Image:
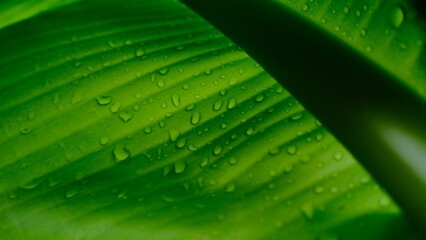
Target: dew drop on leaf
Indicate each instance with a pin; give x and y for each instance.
(104, 140)
(173, 135)
(103, 100)
(307, 210)
(181, 143)
(147, 130)
(115, 107)
(396, 16)
(291, 150)
(249, 131)
(230, 187)
(121, 153)
(217, 105)
(338, 156)
(161, 83)
(25, 130)
(176, 100)
(180, 166)
(195, 118)
(217, 149)
(231, 103)
(125, 116)
(139, 53)
(163, 71)
(232, 160)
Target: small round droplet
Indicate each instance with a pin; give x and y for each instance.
(338, 156)
(121, 153)
(147, 130)
(232, 160)
(291, 150)
(103, 100)
(250, 131)
(161, 83)
(259, 98)
(230, 187)
(204, 162)
(25, 130)
(104, 140)
(384, 201)
(296, 116)
(396, 16)
(217, 149)
(181, 143)
(139, 53)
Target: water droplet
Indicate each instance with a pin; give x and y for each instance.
(176, 100)
(13, 195)
(126, 116)
(122, 196)
(161, 83)
(230, 187)
(319, 189)
(190, 107)
(232, 160)
(363, 32)
(103, 100)
(180, 166)
(115, 107)
(274, 151)
(204, 162)
(259, 98)
(338, 156)
(222, 92)
(163, 71)
(70, 193)
(195, 118)
(31, 115)
(31, 185)
(217, 105)
(384, 201)
(250, 131)
(25, 130)
(307, 210)
(396, 16)
(217, 149)
(121, 153)
(231, 103)
(305, 7)
(291, 150)
(181, 143)
(368, 49)
(139, 53)
(296, 116)
(147, 130)
(346, 10)
(104, 140)
(208, 71)
(174, 135)
(318, 137)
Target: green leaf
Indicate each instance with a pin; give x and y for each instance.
(139, 120)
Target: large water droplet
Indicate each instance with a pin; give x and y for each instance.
(396, 16)
(163, 71)
(176, 100)
(195, 118)
(121, 153)
(139, 53)
(174, 135)
(291, 150)
(217, 105)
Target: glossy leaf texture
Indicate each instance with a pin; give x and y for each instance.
(139, 120)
